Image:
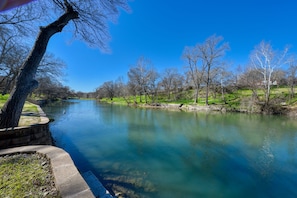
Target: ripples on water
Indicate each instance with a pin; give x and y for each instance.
(155, 153)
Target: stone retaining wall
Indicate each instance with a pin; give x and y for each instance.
(35, 134)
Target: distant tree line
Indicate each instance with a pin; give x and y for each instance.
(207, 74)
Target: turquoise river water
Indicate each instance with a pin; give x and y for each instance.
(161, 153)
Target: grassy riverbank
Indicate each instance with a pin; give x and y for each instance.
(241, 100)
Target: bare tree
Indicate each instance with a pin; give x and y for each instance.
(140, 76)
(278, 77)
(8, 4)
(178, 86)
(253, 80)
(214, 80)
(266, 60)
(51, 66)
(211, 52)
(153, 85)
(132, 88)
(169, 80)
(109, 89)
(12, 53)
(7, 43)
(123, 90)
(291, 76)
(196, 70)
(90, 19)
(19, 21)
(49, 75)
(225, 79)
(51, 89)
(250, 79)
(119, 87)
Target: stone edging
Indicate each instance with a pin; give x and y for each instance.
(43, 118)
(68, 180)
(34, 134)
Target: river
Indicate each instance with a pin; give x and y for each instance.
(162, 153)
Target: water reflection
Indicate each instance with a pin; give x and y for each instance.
(153, 153)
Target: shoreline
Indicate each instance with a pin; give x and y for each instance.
(288, 111)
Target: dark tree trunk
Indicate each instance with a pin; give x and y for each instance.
(168, 94)
(292, 91)
(196, 100)
(11, 111)
(207, 90)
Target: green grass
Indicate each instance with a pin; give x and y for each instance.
(26, 175)
(231, 100)
(3, 99)
(28, 107)
(25, 120)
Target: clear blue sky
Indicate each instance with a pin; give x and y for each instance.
(160, 29)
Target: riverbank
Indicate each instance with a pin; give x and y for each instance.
(286, 110)
(237, 99)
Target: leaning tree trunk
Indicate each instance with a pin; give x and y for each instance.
(11, 111)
